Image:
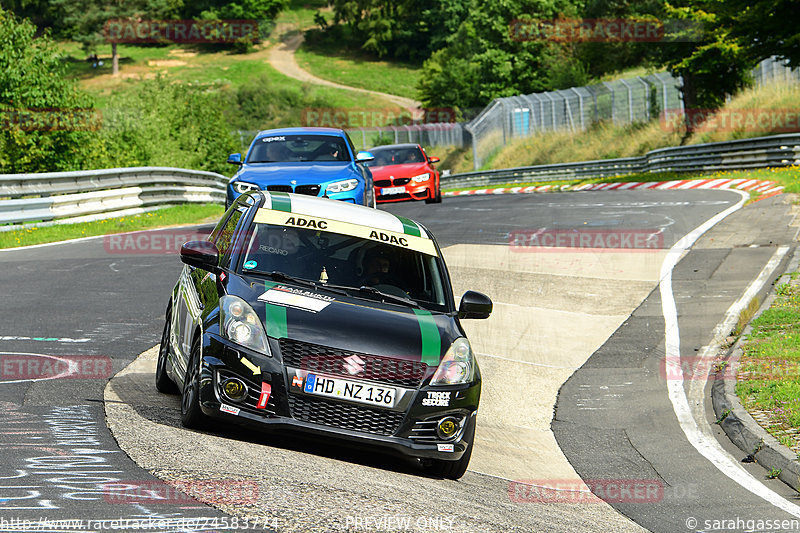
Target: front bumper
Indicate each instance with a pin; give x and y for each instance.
(421, 192)
(408, 430)
(355, 196)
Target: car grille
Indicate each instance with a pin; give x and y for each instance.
(345, 416)
(253, 394)
(311, 190)
(279, 188)
(401, 181)
(383, 183)
(316, 358)
(424, 431)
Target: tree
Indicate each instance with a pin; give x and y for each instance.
(491, 55)
(47, 124)
(404, 29)
(711, 62)
(234, 9)
(85, 20)
(762, 27)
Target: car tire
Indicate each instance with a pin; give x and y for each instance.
(437, 197)
(452, 469)
(163, 382)
(191, 415)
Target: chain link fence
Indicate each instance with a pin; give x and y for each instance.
(623, 101)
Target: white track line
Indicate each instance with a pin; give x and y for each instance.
(702, 441)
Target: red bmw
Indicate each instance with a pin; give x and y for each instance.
(404, 172)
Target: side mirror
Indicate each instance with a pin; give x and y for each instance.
(235, 159)
(200, 254)
(363, 157)
(434, 159)
(475, 305)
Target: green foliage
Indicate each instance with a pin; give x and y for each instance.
(761, 27)
(155, 122)
(484, 60)
(234, 9)
(46, 122)
(712, 63)
(405, 29)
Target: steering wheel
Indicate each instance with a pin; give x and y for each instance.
(384, 282)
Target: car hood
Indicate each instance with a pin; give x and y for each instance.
(310, 173)
(405, 171)
(346, 323)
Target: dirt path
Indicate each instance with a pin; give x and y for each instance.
(282, 59)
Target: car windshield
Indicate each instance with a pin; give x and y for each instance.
(345, 261)
(396, 156)
(296, 148)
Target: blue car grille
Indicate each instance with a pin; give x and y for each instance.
(310, 190)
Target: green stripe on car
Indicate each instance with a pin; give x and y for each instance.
(431, 340)
(409, 226)
(281, 201)
(276, 317)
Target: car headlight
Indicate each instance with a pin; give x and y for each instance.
(240, 324)
(341, 186)
(457, 366)
(242, 187)
(421, 177)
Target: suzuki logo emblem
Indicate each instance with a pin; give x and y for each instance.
(354, 365)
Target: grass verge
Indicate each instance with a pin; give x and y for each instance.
(768, 379)
(604, 140)
(356, 69)
(788, 177)
(168, 216)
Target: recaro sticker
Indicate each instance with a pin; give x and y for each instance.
(401, 240)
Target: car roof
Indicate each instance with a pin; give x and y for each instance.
(296, 131)
(353, 215)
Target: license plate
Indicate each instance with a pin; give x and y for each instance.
(350, 390)
(393, 190)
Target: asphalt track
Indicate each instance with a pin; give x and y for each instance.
(83, 299)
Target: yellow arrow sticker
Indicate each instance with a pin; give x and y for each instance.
(254, 368)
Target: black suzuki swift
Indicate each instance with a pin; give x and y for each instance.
(308, 314)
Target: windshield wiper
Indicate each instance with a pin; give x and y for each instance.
(372, 291)
(277, 275)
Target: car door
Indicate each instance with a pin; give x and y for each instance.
(198, 290)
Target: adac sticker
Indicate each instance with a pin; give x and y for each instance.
(437, 399)
(229, 409)
(296, 298)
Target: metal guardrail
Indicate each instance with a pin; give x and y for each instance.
(96, 194)
(742, 154)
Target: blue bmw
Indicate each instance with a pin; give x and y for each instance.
(313, 161)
